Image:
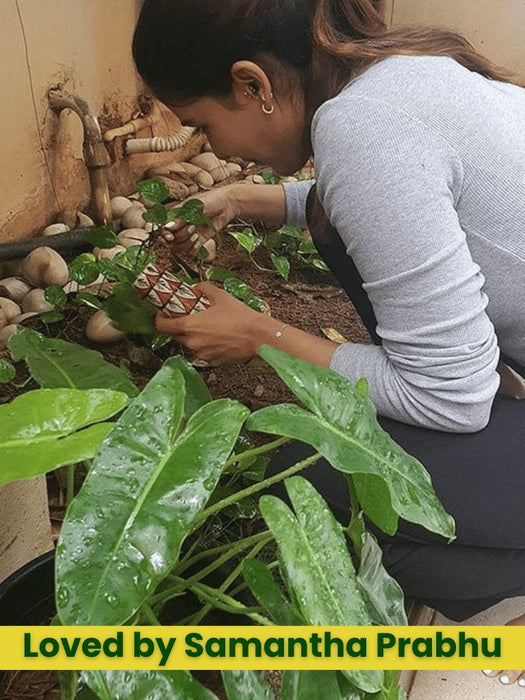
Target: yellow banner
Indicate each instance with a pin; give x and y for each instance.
(301, 648)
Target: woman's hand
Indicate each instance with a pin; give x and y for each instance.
(219, 206)
(225, 333)
(224, 204)
(229, 331)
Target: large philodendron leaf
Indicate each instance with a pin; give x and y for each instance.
(315, 560)
(383, 595)
(305, 685)
(50, 428)
(56, 363)
(145, 490)
(341, 424)
(241, 685)
(146, 685)
(268, 594)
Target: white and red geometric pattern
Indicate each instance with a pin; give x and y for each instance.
(170, 295)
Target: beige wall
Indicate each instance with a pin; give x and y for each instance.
(83, 46)
(495, 27)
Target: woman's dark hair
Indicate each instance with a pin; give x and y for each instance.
(185, 49)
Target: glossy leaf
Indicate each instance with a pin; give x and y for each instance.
(192, 212)
(268, 594)
(7, 372)
(241, 685)
(317, 564)
(147, 487)
(246, 239)
(240, 290)
(89, 300)
(55, 295)
(84, 269)
(281, 264)
(146, 685)
(129, 312)
(68, 681)
(157, 215)
(343, 427)
(49, 428)
(383, 595)
(101, 237)
(306, 685)
(197, 393)
(51, 317)
(56, 363)
(155, 191)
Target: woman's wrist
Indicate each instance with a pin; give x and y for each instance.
(267, 202)
(283, 336)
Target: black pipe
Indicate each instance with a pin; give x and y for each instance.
(69, 242)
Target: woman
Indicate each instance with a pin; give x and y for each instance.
(419, 147)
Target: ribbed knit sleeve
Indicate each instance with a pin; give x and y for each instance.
(390, 186)
(296, 194)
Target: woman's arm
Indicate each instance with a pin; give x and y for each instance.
(391, 187)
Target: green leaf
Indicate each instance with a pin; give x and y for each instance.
(146, 685)
(157, 215)
(268, 594)
(51, 317)
(7, 372)
(291, 232)
(307, 247)
(220, 274)
(155, 191)
(192, 212)
(273, 239)
(84, 269)
(141, 498)
(270, 177)
(246, 239)
(110, 270)
(55, 295)
(390, 689)
(130, 263)
(129, 311)
(101, 237)
(317, 564)
(89, 300)
(383, 595)
(241, 291)
(68, 684)
(281, 264)
(343, 427)
(56, 363)
(241, 685)
(317, 263)
(197, 392)
(306, 685)
(49, 428)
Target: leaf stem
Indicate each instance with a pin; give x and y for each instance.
(227, 603)
(226, 584)
(256, 451)
(70, 485)
(149, 615)
(261, 486)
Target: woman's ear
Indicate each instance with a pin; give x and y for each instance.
(249, 81)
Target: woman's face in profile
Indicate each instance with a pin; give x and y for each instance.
(237, 126)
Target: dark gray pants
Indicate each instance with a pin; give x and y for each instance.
(479, 477)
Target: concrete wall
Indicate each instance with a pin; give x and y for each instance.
(83, 46)
(495, 27)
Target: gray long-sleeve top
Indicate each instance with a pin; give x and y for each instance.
(420, 166)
